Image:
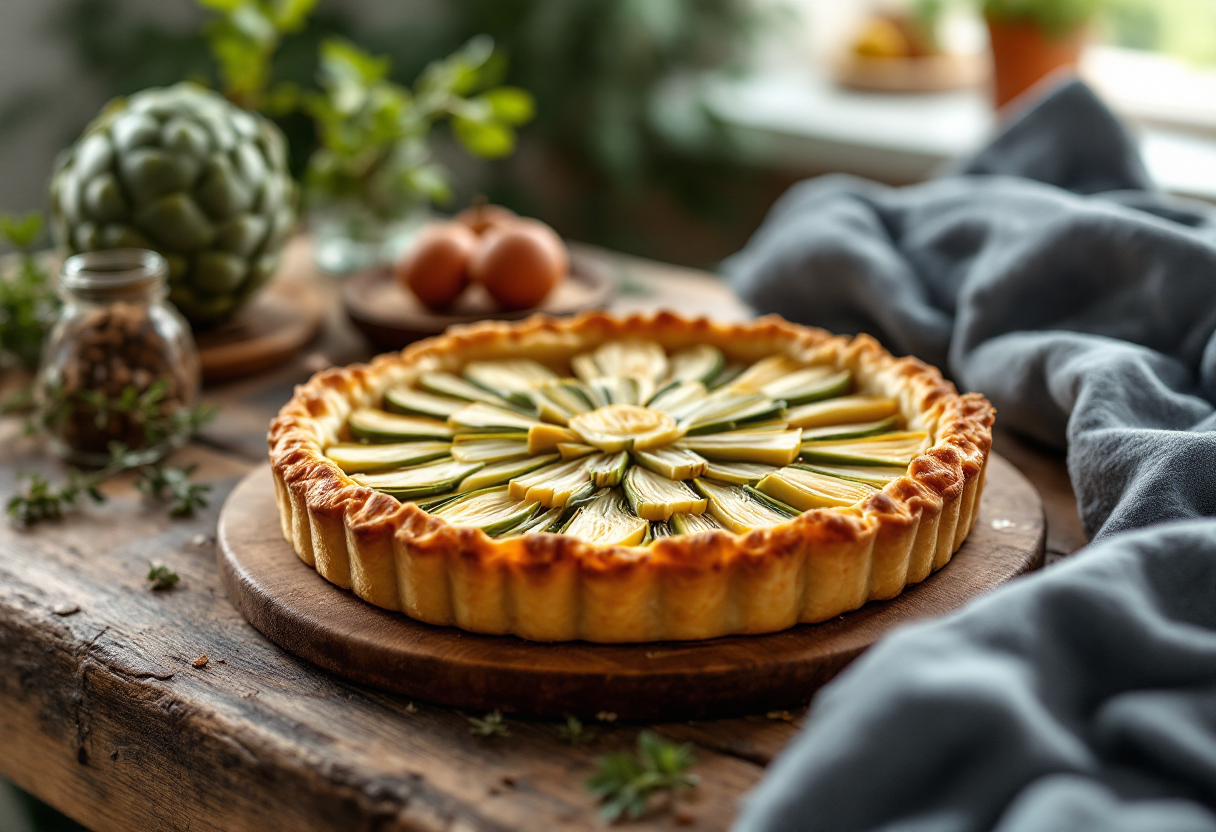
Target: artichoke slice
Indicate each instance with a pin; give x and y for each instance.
(616, 390)
(554, 484)
(809, 385)
(512, 379)
(606, 520)
(764, 371)
(357, 458)
(654, 497)
(632, 359)
(420, 403)
(870, 475)
(423, 481)
(738, 473)
(377, 426)
(503, 472)
(738, 510)
(701, 363)
(846, 409)
(731, 412)
(583, 365)
(570, 395)
(659, 529)
(807, 490)
(676, 399)
(773, 447)
(673, 463)
(851, 431)
(485, 418)
(622, 427)
(608, 470)
(543, 438)
(888, 449)
(542, 522)
(575, 450)
(446, 384)
(694, 523)
(490, 509)
(488, 450)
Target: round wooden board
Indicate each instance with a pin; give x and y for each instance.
(391, 317)
(304, 614)
(278, 321)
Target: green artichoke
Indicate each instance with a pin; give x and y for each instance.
(184, 172)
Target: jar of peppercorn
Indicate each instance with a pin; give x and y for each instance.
(120, 370)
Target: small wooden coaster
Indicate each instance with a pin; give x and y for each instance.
(304, 614)
(279, 320)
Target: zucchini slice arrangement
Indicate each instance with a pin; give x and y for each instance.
(628, 443)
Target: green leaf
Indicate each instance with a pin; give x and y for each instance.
(487, 139)
(512, 105)
(21, 232)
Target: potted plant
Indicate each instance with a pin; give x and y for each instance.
(1033, 38)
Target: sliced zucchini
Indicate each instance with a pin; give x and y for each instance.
(632, 359)
(701, 363)
(570, 395)
(764, 371)
(678, 398)
(607, 521)
(540, 522)
(446, 384)
(583, 365)
(420, 403)
(575, 450)
(654, 497)
(772, 447)
(806, 490)
(809, 385)
(622, 427)
(490, 509)
(422, 481)
(503, 472)
(489, 450)
(432, 502)
(486, 418)
(771, 502)
(617, 390)
(512, 379)
(738, 473)
(736, 509)
(356, 458)
(609, 469)
(693, 523)
(542, 438)
(729, 373)
(673, 463)
(844, 410)
(853, 431)
(889, 449)
(549, 410)
(377, 426)
(869, 474)
(733, 413)
(554, 484)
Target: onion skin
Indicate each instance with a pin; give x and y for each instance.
(436, 266)
(520, 263)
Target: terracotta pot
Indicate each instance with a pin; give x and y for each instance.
(1022, 55)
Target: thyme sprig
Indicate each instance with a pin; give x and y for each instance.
(161, 576)
(490, 725)
(166, 481)
(626, 784)
(575, 733)
(28, 303)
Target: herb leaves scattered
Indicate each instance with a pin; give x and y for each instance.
(626, 784)
(162, 577)
(491, 725)
(167, 482)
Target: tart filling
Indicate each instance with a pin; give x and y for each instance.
(573, 469)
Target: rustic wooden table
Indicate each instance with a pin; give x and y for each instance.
(107, 713)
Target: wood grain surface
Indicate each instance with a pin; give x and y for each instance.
(306, 615)
(104, 714)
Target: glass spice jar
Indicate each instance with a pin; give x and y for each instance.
(119, 365)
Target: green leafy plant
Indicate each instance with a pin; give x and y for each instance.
(243, 37)
(28, 303)
(626, 784)
(167, 482)
(575, 733)
(161, 576)
(374, 132)
(142, 408)
(1055, 17)
(490, 725)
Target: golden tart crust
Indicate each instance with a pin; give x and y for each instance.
(552, 587)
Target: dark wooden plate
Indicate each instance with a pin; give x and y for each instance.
(301, 612)
(391, 317)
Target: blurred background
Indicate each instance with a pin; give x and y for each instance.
(663, 127)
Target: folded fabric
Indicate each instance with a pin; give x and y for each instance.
(1047, 275)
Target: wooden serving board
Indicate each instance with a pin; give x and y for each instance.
(392, 317)
(304, 614)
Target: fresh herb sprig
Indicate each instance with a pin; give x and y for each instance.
(626, 784)
(575, 733)
(490, 725)
(143, 408)
(165, 481)
(28, 302)
(161, 576)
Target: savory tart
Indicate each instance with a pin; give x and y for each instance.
(629, 479)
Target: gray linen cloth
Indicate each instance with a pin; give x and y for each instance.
(1048, 274)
